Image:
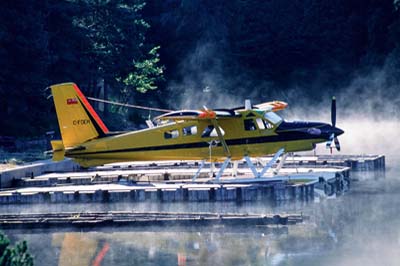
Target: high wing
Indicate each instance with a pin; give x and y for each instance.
(220, 113)
(195, 115)
(272, 106)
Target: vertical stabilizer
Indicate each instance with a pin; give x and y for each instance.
(76, 117)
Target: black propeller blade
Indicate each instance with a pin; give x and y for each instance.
(333, 137)
(333, 111)
(329, 142)
(337, 144)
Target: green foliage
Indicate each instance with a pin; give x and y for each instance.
(114, 32)
(4, 242)
(146, 73)
(14, 256)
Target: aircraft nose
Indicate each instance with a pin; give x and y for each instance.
(337, 131)
(328, 130)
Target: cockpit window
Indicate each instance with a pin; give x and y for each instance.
(249, 125)
(263, 124)
(260, 123)
(273, 118)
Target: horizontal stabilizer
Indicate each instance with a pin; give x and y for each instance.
(58, 150)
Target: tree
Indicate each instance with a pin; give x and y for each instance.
(85, 41)
(145, 73)
(14, 256)
(115, 34)
(23, 64)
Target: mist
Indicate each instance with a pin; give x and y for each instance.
(363, 225)
(368, 105)
(368, 112)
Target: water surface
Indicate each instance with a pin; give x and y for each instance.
(361, 227)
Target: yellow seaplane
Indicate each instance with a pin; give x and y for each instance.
(205, 135)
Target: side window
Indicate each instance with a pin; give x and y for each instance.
(207, 131)
(210, 131)
(171, 134)
(249, 125)
(188, 131)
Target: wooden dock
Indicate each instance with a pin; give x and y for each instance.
(354, 162)
(160, 192)
(362, 162)
(171, 181)
(30, 175)
(127, 185)
(169, 175)
(137, 219)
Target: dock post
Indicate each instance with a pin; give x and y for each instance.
(235, 168)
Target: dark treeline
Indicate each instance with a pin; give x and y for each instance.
(238, 47)
(261, 47)
(97, 44)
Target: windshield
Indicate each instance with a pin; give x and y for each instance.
(273, 118)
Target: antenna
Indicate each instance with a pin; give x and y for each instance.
(247, 104)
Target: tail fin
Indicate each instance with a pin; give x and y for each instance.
(76, 117)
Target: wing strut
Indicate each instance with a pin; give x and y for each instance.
(221, 137)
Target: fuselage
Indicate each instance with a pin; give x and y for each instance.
(197, 140)
(211, 135)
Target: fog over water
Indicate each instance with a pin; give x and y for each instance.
(360, 228)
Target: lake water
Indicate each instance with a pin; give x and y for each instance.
(361, 227)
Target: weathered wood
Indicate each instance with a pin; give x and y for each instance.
(141, 219)
(277, 191)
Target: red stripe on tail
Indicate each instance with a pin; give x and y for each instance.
(90, 109)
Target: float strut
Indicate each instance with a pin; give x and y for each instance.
(266, 167)
(273, 160)
(223, 167)
(283, 159)
(198, 171)
(251, 165)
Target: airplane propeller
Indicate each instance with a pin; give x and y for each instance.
(333, 137)
(333, 111)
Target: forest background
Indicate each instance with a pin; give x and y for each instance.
(189, 53)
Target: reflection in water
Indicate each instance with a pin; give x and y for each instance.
(361, 227)
(167, 248)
